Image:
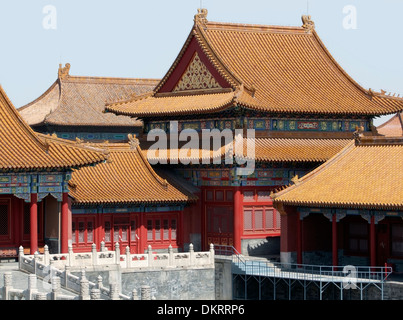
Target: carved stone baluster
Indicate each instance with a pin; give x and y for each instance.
(8, 281)
(145, 293)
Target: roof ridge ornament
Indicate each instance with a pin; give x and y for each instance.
(358, 134)
(64, 71)
(133, 141)
(201, 16)
(308, 24)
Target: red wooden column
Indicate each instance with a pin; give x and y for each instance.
(238, 213)
(181, 227)
(372, 242)
(143, 233)
(334, 240)
(299, 238)
(203, 231)
(33, 217)
(65, 223)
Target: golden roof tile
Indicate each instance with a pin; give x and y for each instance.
(275, 69)
(393, 127)
(23, 149)
(367, 173)
(266, 150)
(80, 101)
(173, 105)
(126, 177)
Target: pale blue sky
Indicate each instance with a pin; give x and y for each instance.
(123, 38)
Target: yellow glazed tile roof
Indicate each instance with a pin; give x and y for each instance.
(126, 177)
(368, 174)
(173, 105)
(80, 101)
(270, 68)
(266, 150)
(393, 127)
(23, 149)
(298, 150)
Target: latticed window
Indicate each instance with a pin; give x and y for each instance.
(83, 231)
(107, 231)
(261, 219)
(397, 240)
(161, 229)
(133, 230)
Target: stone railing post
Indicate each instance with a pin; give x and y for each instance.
(170, 256)
(150, 256)
(191, 255)
(117, 253)
(84, 287)
(56, 288)
(128, 258)
(95, 294)
(20, 256)
(99, 282)
(36, 255)
(94, 254)
(211, 253)
(114, 291)
(32, 286)
(145, 293)
(134, 295)
(102, 247)
(71, 261)
(46, 256)
(8, 281)
(40, 296)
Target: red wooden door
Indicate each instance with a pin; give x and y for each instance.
(126, 234)
(220, 230)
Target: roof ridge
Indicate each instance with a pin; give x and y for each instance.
(215, 59)
(131, 99)
(74, 143)
(108, 79)
(135, 145)
(254, 27)
(337, 65)
(40, 97)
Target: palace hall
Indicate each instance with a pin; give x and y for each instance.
(313, 195)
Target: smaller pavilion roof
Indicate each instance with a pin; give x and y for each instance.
(126, 178)
(366, 174)
(266, 150)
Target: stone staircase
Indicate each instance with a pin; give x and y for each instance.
(20, 279)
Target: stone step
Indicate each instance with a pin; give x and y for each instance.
(20, 279)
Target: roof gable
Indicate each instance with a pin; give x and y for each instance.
(192, 71)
